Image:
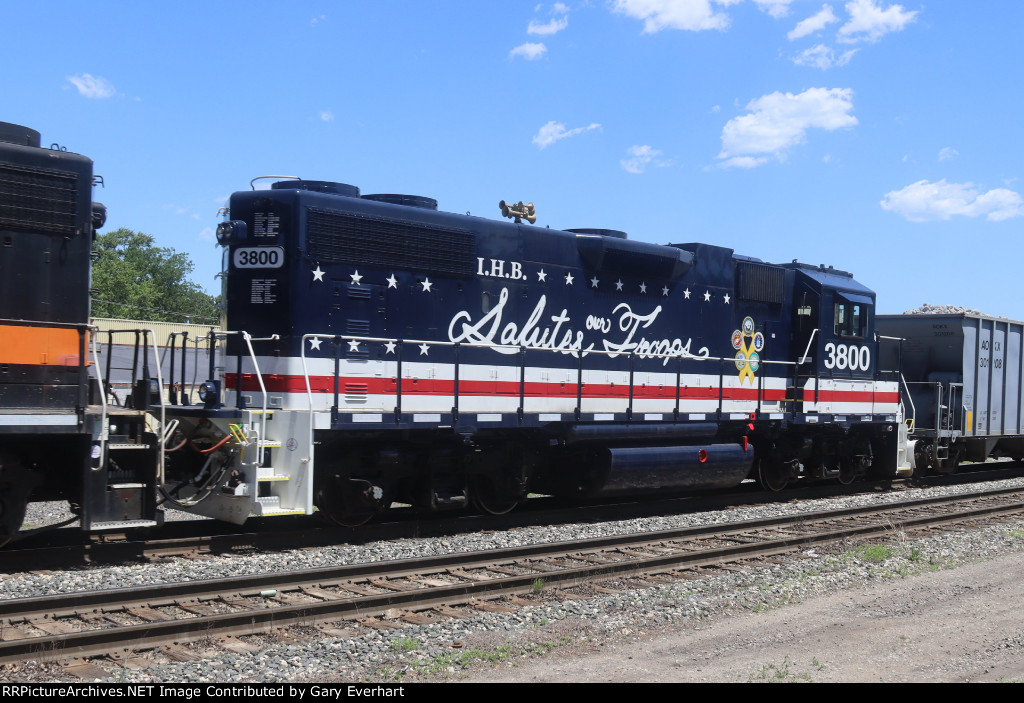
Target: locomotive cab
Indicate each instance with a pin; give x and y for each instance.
(833, 325)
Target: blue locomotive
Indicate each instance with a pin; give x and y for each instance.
(380, 350)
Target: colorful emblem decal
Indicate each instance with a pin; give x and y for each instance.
(748, 357)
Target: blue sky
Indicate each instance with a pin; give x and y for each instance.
(881, 138)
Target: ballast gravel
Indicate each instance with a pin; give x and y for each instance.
(545, 625)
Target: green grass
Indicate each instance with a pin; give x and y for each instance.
(873, 553)
(405, 644)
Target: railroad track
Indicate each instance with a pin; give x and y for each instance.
(420, 590)
(210, 537)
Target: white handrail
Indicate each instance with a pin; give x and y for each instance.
(803, 359)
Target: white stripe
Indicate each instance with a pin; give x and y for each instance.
(39, 420)
(493, 417)
(368, 418)
(426, 417)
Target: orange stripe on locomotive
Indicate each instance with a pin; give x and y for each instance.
(43, 346)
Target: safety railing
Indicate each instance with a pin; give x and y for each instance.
(948, 411)
(140, 396)
(398, 346)
(240, 403)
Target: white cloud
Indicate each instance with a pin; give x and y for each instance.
(92, 86)
(553, 131)
(925, 201)
(947, 153)
(640, 156)
(813, 24)
(823, 57)
(779, 121)
(869, 22)
(775, 8)
(318, 19)
(556, 25)
(327, 115)
(530, 51)
(745, 161)
(692, 15)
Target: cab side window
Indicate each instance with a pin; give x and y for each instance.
(850, 319)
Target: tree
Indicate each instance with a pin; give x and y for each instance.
(132, 278)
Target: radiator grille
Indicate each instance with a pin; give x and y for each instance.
(760, 283)
(38, 200)
(385, 243)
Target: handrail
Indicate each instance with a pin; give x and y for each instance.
(803, 359)
(249, 339)
(149, 335)
(104, 427)
(520, 350)
(913, 410)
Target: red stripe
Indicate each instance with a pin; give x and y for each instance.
(837, 396)
(535, 389)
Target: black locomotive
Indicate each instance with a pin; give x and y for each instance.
(55, 432)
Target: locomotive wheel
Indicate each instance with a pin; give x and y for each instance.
(771, 475)
(349, 502)
(488, 497)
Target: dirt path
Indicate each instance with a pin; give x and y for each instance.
(964, 624)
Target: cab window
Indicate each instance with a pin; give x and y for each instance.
(850, 318)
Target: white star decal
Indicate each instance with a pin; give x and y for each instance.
(707, 296)
(424, 349)
(353, 345)
(594, 282)
(726, 298)
(392, 281)
(426, 285)
(568, 279)
(389, 347)
(314, 343)
(643, 287)
(618, 284)
(686, 293)
(664, 291)
(541, 276)
(318, 275)
(356, 277)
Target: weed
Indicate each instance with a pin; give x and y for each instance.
(538, 586)
(874, 553)
(772, 673)
(405, 644)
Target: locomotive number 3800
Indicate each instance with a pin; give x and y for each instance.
(842, 356)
